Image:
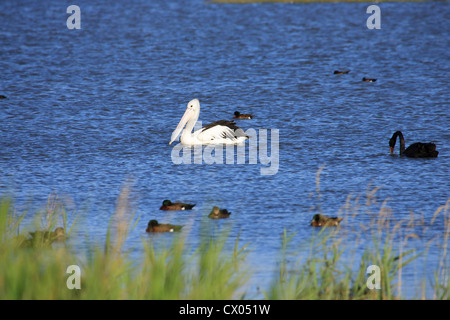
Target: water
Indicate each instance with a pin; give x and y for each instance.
(90, 109)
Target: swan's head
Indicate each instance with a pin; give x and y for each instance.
(393, 140)
(192, 111)
(392, 144)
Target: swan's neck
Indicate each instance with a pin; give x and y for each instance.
(402, 142)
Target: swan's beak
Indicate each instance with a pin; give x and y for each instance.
(391, 150)
(187, 115)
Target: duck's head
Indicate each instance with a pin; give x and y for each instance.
(237, 113)
(167, 203)
(151, 224)
(59, 232)
(215, 211)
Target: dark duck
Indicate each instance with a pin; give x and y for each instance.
(238, 115)
(217, 213)
(319, 220)
(341, 72)
(155, 226)
(169, 205)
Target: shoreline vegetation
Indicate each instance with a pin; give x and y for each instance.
(325, 268)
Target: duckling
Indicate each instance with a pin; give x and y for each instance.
(154, 226)
(238, 115)
(368, 80)
(320, 220)
(217, 213)
(168, 205)
(341, 72)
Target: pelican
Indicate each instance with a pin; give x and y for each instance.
(219, 132)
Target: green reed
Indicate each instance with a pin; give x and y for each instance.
(324, 273)
(38, 270)
(327, 268)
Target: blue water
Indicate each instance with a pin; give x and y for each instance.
(89, 110)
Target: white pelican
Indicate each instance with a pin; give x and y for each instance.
(219, 132)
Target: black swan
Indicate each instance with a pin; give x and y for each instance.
(416, 150)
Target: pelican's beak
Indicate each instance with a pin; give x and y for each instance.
(187, 115)
(391, 150)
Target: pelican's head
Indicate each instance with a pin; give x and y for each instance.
(192, 111)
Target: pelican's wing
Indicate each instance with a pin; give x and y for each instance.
(222, 129)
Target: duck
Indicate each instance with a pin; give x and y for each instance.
(368, 80)
(41, 238)
(217, 213)
(57, 235)
(154, 226)
(238, 115)
(2, 96)
(169, 205)
(416, 150)
(341, 72)
(320, 220)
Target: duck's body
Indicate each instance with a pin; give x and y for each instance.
(217, 213)
(41, 238)
(218, 132)
(57, 235)
(154, 226)
(368, 80)
(416, 150)
(168, 205)
(320, 220)
(238, 115)
(341, 72)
